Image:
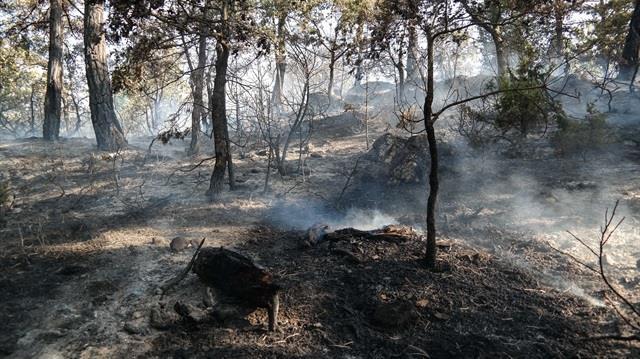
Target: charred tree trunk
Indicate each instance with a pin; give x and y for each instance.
(401, 76)
(53, 97)
(430, 255)
(219, 109)
(281, 63)
(629, 61)
(207, 114)
(198, 101)
(109, 134)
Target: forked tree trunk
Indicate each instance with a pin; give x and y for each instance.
(53, 96)
(76, 108)
(219, 110)
(198, 101)
(629, 60)
(109, 134)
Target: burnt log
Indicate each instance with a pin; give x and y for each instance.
(239, 278)
(391, 233)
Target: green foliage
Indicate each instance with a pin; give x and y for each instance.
(581, 137)
(20, 75)
(610, 27)
(525, 105)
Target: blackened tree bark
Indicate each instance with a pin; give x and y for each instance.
(109, 134)
(53, 96)
(219, 107)
(429, 119)
(629, 61)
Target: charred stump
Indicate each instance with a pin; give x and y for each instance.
(236, 276)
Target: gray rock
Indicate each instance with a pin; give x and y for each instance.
(134, 327)
(179, 244)
(162, 319)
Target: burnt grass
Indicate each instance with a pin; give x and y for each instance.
(333, 305)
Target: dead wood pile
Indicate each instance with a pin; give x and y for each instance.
(349, 242)
(392, 233)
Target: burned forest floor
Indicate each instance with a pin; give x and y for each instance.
(86, 246)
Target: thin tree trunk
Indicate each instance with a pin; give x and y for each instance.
(332, 66)
(32, 108)
(109, 134)
(65, 112)
(400, 67)
(76, 108)
(281, 63)
(208, 113)
(149, 123)
(360, 46)
(366, 110)
(629, 59)
(302, 112)
(430, 255)
(266, 179)
(53, 96)
(230, 168)
(219, 110)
